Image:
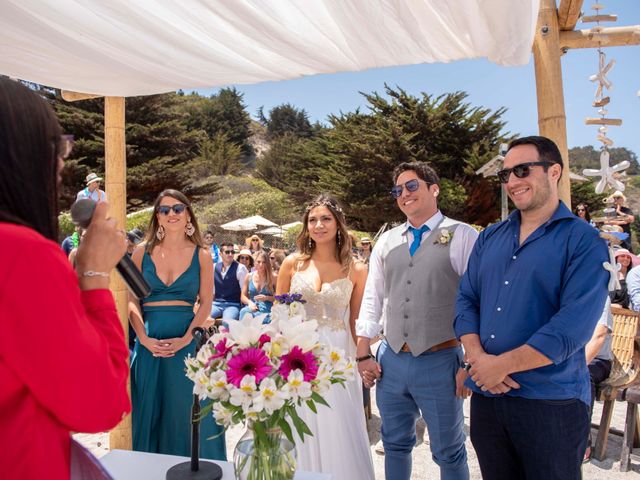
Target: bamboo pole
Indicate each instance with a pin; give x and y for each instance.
(607, 37)
(552, 122)
(569, 13)
(115, 184)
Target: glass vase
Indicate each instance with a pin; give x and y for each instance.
(267, 457)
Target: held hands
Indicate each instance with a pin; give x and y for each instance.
(166, 347)
(370, 371)
(490, 373)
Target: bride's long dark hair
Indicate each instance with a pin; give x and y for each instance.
(306, 245)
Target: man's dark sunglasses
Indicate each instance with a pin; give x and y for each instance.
(228, 252)
(411, 186)
(521, 171)
(178, 208)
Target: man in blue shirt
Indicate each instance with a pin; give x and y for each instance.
(528, 303)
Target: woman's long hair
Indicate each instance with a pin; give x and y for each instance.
(268, 270)
(30, 143)
(152, 229)
(306, 245)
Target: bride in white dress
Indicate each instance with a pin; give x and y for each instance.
(332, 284)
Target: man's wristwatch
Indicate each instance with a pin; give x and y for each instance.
(362, 359)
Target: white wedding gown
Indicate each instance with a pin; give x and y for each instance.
(340, 444)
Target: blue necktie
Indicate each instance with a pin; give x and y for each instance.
(417, 238)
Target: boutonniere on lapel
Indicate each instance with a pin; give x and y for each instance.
(444, 237)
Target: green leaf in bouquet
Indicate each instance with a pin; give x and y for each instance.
(286, 429)
(259, 431)
(301, 427)
(312, 406)
(315, 396)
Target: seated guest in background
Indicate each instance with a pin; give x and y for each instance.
(633, 287)
(365, 249)
(68, 372)
(72, 241)
(582, 211)
(179, 272)
(624, 217)
(259, 289)
(74, 251)
(228, 278)
(92, 191)
(209, 243)
(254, 243)
(598, 354)
(627, 260)
(276, 257)
(245, 257)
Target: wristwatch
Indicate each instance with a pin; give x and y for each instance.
(362, 359)
(466, 366)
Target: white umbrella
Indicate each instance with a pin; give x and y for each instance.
(287, 226)
(275, 231)
(248, 223)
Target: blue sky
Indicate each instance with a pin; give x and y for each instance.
(488, 85)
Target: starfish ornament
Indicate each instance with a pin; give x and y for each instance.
(606, 172)
(601, 76)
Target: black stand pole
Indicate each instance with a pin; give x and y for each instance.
(195, 470)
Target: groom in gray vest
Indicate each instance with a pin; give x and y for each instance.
(414, 272)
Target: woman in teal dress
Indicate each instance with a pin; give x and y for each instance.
(180, 273)
(259, 289)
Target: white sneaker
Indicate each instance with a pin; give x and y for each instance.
(379, 448)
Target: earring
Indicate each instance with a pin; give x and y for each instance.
(189, 229)
(160, 233)
(339, 238)
(310, 243)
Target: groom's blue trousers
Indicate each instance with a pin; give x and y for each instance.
(425, 384)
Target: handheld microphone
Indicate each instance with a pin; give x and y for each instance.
(81, 213)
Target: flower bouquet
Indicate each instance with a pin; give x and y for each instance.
(258, 375)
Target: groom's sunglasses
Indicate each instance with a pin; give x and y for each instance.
(521, 171)
(411, 186)
(178, 208)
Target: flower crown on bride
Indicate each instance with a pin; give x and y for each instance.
(325, 203)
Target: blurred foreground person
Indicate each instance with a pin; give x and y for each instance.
(66, 371)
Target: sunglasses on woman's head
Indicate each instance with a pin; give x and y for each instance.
(521, 171)
(178, 208)
(411, 186)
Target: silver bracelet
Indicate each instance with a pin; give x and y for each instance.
(91, 273)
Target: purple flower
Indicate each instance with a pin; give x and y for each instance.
(251, 361)
(296, 359)
(289, 298)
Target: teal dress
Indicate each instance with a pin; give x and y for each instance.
(161, 394)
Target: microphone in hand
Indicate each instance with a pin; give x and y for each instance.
(81, 215)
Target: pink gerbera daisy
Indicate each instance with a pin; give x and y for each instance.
(221, 348)
(296, 359)
(251, 361)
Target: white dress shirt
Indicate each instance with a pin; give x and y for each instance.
(368, 323)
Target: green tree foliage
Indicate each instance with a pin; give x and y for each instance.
(217, 156)
(223, 112)
(241, 197)
(286, 119)
(588, 157)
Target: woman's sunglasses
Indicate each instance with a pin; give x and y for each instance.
(243, 257)
(178, 208)
(521, 171)
(411, 186)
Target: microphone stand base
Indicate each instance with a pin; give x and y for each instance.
(207, 471)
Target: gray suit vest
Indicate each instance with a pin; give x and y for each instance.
(419, 291)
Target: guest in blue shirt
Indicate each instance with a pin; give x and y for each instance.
(213, 247)
(528, 303)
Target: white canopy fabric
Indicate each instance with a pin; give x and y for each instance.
(248, 223)
(141, 47)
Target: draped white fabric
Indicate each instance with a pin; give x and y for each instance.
(137, 47)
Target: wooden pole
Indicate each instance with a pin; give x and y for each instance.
(569, 13)
(115, 184)
(607, 37)
(552, 121)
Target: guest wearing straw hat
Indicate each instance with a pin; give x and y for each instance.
(92, 190)
(625, 217)
(365, 252)
(254, 243)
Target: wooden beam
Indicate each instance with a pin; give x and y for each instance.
(603, 121)
(569, 13)
(70, 96)
(115, 184)
(552, 121)
(599, 18)
(607, 37)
